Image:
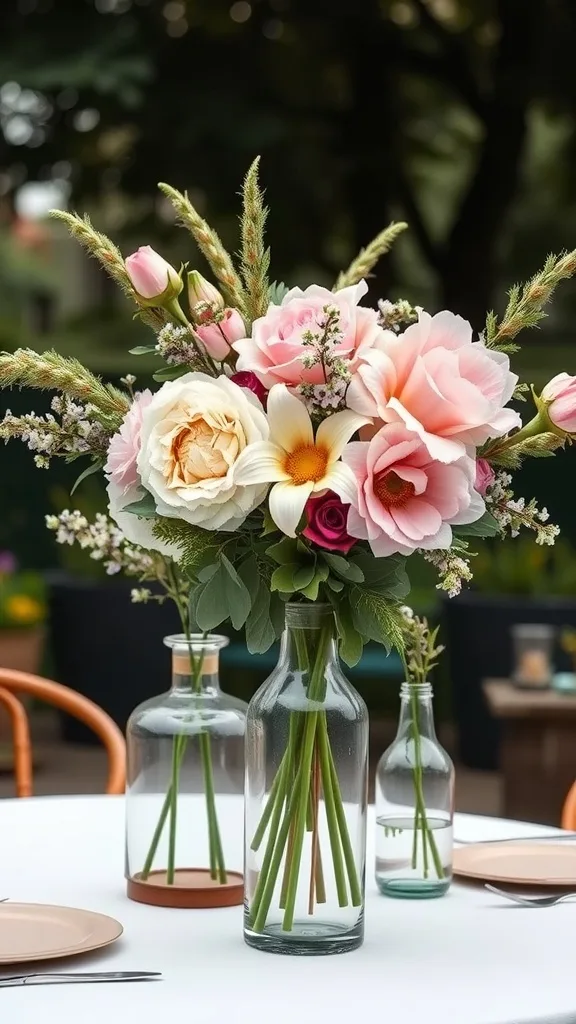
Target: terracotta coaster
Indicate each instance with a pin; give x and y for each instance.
(193, 888)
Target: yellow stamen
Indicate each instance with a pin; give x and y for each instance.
(306, 463)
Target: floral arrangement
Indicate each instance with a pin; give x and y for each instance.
(300, 447)
(22, 595)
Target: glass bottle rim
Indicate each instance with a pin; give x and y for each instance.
(196, 642)
(407, 689)
(308, 614)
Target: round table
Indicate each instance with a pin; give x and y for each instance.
(468, 958)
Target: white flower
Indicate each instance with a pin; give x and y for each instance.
(135, 528)
(193, 432)
(295, 459)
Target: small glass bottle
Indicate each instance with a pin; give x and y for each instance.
(305, 797)
(185, 757)
(414, 804)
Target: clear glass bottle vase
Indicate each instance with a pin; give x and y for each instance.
(414, 804)
(185, 759)
(305, 797)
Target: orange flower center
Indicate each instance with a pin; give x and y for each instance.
(392, 490)
(306, 463)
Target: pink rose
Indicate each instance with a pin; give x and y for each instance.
(150, 274)
(448, 389)
(484, 476)
(217, 336)
(124, 446)
(246, 379)
(406, 499)
(277, 349)
(326, 527)
(203, 294)
(560, 392)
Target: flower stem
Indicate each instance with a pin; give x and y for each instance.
(420, 805)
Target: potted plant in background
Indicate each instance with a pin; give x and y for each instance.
(22, 617)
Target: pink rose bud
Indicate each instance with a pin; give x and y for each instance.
(151, 276)
(202, 293)
(327, 517)
(247, 379)
(484, 476)
(217, 336)
(560, 396)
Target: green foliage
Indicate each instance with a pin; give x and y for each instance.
(541, 446)
(197, 546)
(367, 258)
(277, 291)
(376, 618)
(145, 507)
(170, 373)
(486, 526)
(526, 302)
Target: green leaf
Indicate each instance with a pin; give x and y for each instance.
(144, 507)
(89, 471)
(304, 576)
(376, 618)
(277, 291)
(210, 605)
(351, 641)
(260, 633)
(171, 373)
(283, 578)
(207, 571)
(336, 585)
(237, 596)
(269, 524)
(142, 350)
(343, 568)
(487, 526)
(248, 573)
(284, 552)
(384, 576)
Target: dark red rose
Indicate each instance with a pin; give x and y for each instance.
(327, 516)
(247, 379)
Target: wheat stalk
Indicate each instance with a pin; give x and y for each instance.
(49, 370)
(255, 257)
(210, 246)
(525, 303)
(367, 258)
(109, 256)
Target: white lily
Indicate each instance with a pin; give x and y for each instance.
(297, 462)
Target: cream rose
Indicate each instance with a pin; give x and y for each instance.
(192, 433)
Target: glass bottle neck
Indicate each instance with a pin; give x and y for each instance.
(196, 671)
(309, 640)
(416, 707)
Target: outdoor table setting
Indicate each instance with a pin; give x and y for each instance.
(470, 957)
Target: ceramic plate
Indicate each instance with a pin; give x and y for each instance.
(34, 931)
(532, 864)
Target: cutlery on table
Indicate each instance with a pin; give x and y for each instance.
(548, 837)
(64, 979)
(531, 901)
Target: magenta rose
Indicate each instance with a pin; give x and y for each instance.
(327, 516)
(484, 476)
(249, 380)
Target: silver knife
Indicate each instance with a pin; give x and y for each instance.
(77, 979)
(547, 837)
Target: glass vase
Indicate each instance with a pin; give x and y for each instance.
(185, 761)
(305, 797)
(414, 804)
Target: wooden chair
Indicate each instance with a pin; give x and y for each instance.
(67, 700)
(569, 810)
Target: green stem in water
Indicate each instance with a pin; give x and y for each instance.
(420, 805)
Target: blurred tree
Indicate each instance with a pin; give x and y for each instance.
(363, 112)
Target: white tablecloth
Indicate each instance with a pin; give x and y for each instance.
(468, 958)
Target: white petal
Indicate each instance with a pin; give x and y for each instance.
(342, 481)
(287, 505)
(290, 423)
(259, 463)
(335, 432)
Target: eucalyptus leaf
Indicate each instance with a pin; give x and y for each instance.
(343, 568)
(284, 552)
(487, 526)
(304, 576)
(170, 373)
(283, 578)
(144, 507)
(248, 573)
(210, 606)
(351, 640)
(336, 585)
(384, 576)
(95, 467)
(260, 633)
(142, 350)
(236, 593)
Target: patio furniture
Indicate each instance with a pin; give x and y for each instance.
(85, 710)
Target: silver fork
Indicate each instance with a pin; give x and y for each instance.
(547, 837)
(531, 901)
(77, 978)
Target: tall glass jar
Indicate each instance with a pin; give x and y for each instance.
(414, 804)
(305, 797)
(185, 753)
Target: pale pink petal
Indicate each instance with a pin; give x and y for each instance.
(439, 447)
(417, 519)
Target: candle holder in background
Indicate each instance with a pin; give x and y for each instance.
(533, 668)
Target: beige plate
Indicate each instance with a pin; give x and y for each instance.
(533, 864)
(34, 931)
